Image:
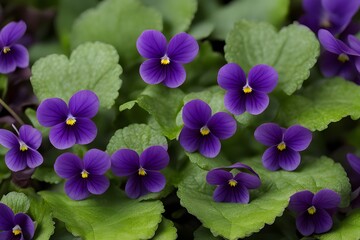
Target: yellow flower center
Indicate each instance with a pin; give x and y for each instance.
(165, 60)
(343, 57)
(232, 182)
(325, 23)
(141, 172)
(23, 147)
(281, 146)
(311, 210)
(70, 121)
(16, 230)
(247, 89)
(204, 130)
(84, 174)
(6, 50)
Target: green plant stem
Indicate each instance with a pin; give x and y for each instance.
(17, 118)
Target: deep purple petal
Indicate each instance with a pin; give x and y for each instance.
(52, 111)
(7, 63)
(311, 21)
(84, 104)
(154, 181)
(96, 162)
(270, 159)
(125, 162)
(196, 114)
(231, 77)
(322, 221)
(226, 193)
(154, 158)
(76, 188)
(97, 184)
(256, 102)
(331, 44)
(329, 64)
(297, 137)
(222, 125)
(305, 224)
(240, 165)
(30, 136)
(84, 130)
(263, 78)
(26, 224)
(327, 199)
(218, 177)
(354, 162)
(8, 139)
(289, 159)
(312, 7)
(248, 180)
(62, 136)
(269, 134)
(12, 32)
(7, 235)
(151, 44)
(68, 165)
(235, 101)
(182, 48)
(152, 72)
(210, 146)
(134, 187)
(16, 160)
(6, 218)
(175, 75)
(301, 201)
(33, 158)
(20, 55)
(354, 42)
(340, 8)
(190, 139)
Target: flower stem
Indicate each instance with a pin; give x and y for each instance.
(17, 118)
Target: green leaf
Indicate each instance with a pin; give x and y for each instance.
(18, 202)
(321, 104)
(347, 229)
(127, 106)
(177, 14)
(292, 51)
(233, 221)
(204, 234)
(137, 137)
(46, 174)
(31, 114)
(92, 66)
(207, 163)
(166, 231)
(117, 22)
(109, 216)
(213, 96)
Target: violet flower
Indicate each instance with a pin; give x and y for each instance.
(84, 177)
(142, 171)
(354, 176)
(15, 226)
(12, 55)
(314, 211)
(284, 145)
(164, 64)
(338, 58)
(354, 162)
(247, 94)
(232, 188)
(23, 148)
(70, 124)
(203, 131)
(333, 15)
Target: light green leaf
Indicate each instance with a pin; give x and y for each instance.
(31, 114)
(109, 216)
(117, 22)
(204, 234)
(46, 174)
(137, 137)
(207, 163)
(292, 52)
(233, 221)
(177, 14)
(127, 106)
(213, 96)
(18, 202)
(321, 104)
(92, 66)
(166, 231)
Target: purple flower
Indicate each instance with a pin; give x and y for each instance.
(232, 188)
(314, 211)
(15, 226)
(284, 145)
(12, 55)
(84, 177)
(333, 15)
(142, 171)
(354, 162)
(70, 125)
(338, 58)
(23, 148)
(165, 60)
(202, 131)
(354, 176)
(247, 94)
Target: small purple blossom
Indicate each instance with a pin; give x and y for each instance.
(12, 55)
(70, 124)
(247, 94)
(232, 188)
(23, 148)
(314, 211)
(333, 15)
(15, 226)
(354, 176)
(142, 171)
(284, 145)
(203, 131)
(84, 177)
(164, 64)
(354, 162)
